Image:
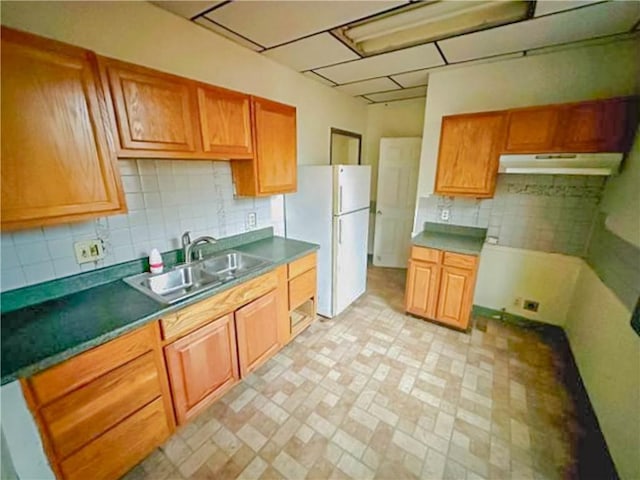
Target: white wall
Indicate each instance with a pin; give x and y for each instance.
(142, 33)
(395, 119)
(403, 118)
(577, 74)
(621, 198)
(607, 352)
(508, 273)
(21, 436)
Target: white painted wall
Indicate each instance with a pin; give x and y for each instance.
(395, 119)
(607, 352)
(142, 33)
(507, 273)
(577, 74)
(621, 198)
(21, 436)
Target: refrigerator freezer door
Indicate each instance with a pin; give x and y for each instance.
(351, 188)
(308, 215)
(350, 232)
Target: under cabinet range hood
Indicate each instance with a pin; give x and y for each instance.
(562, 163)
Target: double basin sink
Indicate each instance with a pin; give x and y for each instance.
(188, 279)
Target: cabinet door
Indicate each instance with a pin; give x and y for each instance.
(532, 130)
(596, 126)
(275, 126)
(202, 366)
(257, 325)
(225, 121)
(154, 112)
(57, 164)
(421, 294)
(468, 157)
(455, 296)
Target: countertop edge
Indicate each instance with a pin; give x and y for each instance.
(474, 248)
(67, 354)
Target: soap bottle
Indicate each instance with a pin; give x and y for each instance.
(155, 261)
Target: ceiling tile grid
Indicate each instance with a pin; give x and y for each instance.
(272, 23)
(413, 58)
(312, 52)
(369, 86)
(302, 35)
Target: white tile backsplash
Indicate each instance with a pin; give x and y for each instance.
(552, 213)
(164, 197)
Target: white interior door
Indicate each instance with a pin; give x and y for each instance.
(350, 258)
(397, 184)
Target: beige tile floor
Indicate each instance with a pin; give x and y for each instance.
(378, 394)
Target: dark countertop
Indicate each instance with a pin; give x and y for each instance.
(39, 336)
(452, 238)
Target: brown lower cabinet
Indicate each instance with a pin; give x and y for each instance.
(104, 410)
(440, 286)
(257, 328)
(202, 366)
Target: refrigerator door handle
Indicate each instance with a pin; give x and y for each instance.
(340, 199)
(340, 231)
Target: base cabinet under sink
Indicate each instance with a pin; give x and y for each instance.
(257, 328)
(202, 366)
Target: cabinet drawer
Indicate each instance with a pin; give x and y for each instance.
(84, 414)
(301, 265)
(302, 288)
(56, 381)
(459, 260)
(114, 453)
(225, 302)
(426, 254)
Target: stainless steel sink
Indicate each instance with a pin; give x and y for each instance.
(232, 265)
(188, 279)
(180, 282)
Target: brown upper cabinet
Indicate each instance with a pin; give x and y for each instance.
(164, 116)
(532, 129)
(274, 168)
(585, 127)
(471, 144)
(154, 112)
(469, 149)
(225, 122)
(58, 163)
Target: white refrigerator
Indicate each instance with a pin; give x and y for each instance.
(331, 208)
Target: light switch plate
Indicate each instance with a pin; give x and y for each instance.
(251, 220)
(89, 250)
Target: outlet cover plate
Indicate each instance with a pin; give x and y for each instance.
(89, 250)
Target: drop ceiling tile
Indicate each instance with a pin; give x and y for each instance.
(312, 52)
(274, 22)
(413, 79)
(398, 94)
(187, 9)
(413, 58)
(545, 7)
(227, 34)
(571, 26)
(318, 78)
(374, 85)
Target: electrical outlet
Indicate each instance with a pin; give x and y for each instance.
(531, 305)
(492, 240)
(251, 220)
(517, 302)
(444, 214)
(89, 250)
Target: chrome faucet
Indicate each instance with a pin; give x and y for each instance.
(188, 245)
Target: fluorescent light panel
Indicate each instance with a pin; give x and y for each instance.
(430, 21)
